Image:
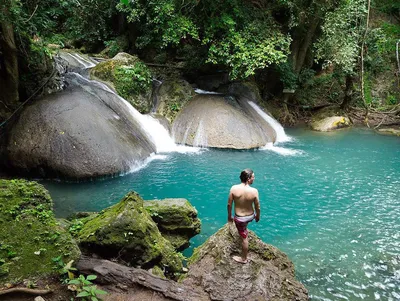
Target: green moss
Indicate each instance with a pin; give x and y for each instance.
(30, 237)
(127, 231)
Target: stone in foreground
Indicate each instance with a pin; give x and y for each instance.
(176, 219)
(29, 235)
(269, 275)
(126, 232)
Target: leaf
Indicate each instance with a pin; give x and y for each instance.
(101, 292)
(83, 294)
(126, 2)
(91, 277)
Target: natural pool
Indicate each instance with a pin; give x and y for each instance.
(331, 201)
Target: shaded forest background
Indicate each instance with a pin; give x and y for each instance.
(301, 53)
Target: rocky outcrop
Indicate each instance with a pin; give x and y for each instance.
(393, 131)
(129, 77)
(176, 219)
(82, 132)
(30, 236)
(269, 275)
(330, 123)
(213, 274)
(329, 119)
(126, 232)
(171, 96)
(221, 122)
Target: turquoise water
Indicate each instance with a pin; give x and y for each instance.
(333, 205)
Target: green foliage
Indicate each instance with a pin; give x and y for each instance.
(132, 80)
(116, 45)
(85, 289)
(287, 75)
(342, 33)
(90, 21)
(75, 227)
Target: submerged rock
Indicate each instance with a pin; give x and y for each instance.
(82, 132)
(221, 122)
(389, 131)
(269, 275)
(126, 232)
(176, 219)
(30, 236)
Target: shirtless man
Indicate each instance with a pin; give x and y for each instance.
(244, 196)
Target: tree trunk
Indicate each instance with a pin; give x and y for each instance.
(302, 44)
(348, 91)
(9, 75)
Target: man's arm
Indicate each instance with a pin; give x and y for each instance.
(230, 200)
(257, 206)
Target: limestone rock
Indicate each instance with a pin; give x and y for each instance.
(176, 219)
(390, 131)
(82, 132)
(126, 232)
(171, 96)
(330, 123)
(107, 73)
(269, 276)
(30, 236)
(221, 122)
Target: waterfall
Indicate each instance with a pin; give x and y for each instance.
(280, 132)
(154, 130)
(200, 139)
(85, 62)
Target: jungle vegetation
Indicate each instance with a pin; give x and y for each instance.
(301, 53)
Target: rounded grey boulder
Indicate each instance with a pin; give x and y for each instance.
(221, 122)
(82, 132)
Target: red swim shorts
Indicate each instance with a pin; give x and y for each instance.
(241, 224)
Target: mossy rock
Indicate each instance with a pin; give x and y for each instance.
(30, 236)
(176, 219)
(268, 276)
(329, 119)
(126, 232)
(129, 77)
(172, 96)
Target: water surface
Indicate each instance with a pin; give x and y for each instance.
(331, 201)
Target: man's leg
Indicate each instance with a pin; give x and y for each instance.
(245, 250)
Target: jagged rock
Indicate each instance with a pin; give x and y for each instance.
(171, 96)
(176, 219)
(330, 123)
(107, 72)
(126, 232)
(221, 122)
(82, 132)
(29, 234)
(269, 275)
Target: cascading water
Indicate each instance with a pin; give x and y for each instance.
(153, 129)
(280, 132)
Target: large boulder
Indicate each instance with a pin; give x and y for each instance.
(82, 132)
(30, 236)
(330, 123)
(126, 232)
(221, 122)
(269, 275)
(129, 77)
(176, 219)
(329, 119)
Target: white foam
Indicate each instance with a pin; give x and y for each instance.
(200, 91)
(282, 150)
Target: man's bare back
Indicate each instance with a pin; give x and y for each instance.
(245, 199)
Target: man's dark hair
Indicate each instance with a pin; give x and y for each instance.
(246, 174)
